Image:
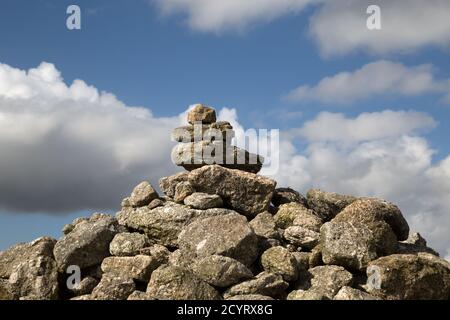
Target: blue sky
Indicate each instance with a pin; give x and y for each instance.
(165, 62)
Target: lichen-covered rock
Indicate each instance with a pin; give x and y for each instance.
(287, 195)
(85, 286)
(128, 244)
(142, 195)
(182, 190)
(323, 282)
(221, 271)
(264, 226)
(5, 290)
(279, 260)
(349, 293)
(139, 295)
(37, 277)
(415, 244)
(290, 212)
(203, 201)
(12, 257)
(138, 267)
(87, 245)
(155, 204)
(245, 192)
(158, 252)
(353, 244)
(182, 258)
(113, 287)
(201, 132)
(311, 294)
(327, 204)
(163, 224)
(265, 283)
(371, 210)
(228, 235)
(250, 297)
(302, 260)
(409, 277)
(201, 113)
(175, 283)
(168, 184)
(301, 237)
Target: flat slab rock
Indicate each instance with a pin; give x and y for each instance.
(245, 192)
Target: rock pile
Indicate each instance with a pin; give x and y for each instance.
(224, 233)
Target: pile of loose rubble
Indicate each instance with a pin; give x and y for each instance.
(224, 233)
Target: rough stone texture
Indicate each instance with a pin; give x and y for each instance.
(163, 224)
(245, 192)
(138, 267)
(327, 204)
(182, 258)
(168, 184)
(139, 295)
(323, 282)
(265, 283)
(229, 235)
(302, 260)
(415, 244)
(12, 257)
(203, 201)
(201, 113)
(221, 271)
(315, 259)
(290, 212)
(301, 237)
(142, 195)
(37, 277)
(175, 283)
(206, 132)
(249, 297)
(87, 245)
(287, 195)
(182, 190)
(112, 287)
(85, 286)
(128, 244)
(264, 226)
(5, 290)
(349, 293)
(372, 210)
(158, 252)
(279, 260)
(155, 204)
(354, 244)
(311, 294)
(410, 277)
(86, 297)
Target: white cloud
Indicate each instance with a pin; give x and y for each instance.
(339, 27)
(235, 15)
(376, 78)
(67, 148)
(396, 165)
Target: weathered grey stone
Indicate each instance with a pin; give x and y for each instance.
(279, 260)
(327, 205)
(409, 277)
(37, 276)
(128, 244)
(415, 244)
(182, 190)
(12, 257)
(349, 293)
(287, 195)
(229, 235)
(168, 184)
(265, 283)
(315, 259)
(323, 282)
(203, 201)
(86, 297)
(69, 227)
(302, 260)
(139, 295)
(249, 297)
(85, 287)
(290, 212)
(221, 271)
(142, 195)
(175, 283)
(264, 226)
(112, 287)
(155, 204)
(5, 290)
(182, 258)
(163, 224)
(353, 244)
(371, 210)
(158, 252)
(207, 132)
(245, 192)
(301, 237)
(138, 267)
(87, 245)
(201, 113)
(311, 294)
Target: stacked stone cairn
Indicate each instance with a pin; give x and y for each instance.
(220, 232)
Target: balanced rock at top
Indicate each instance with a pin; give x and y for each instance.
(202, 113)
